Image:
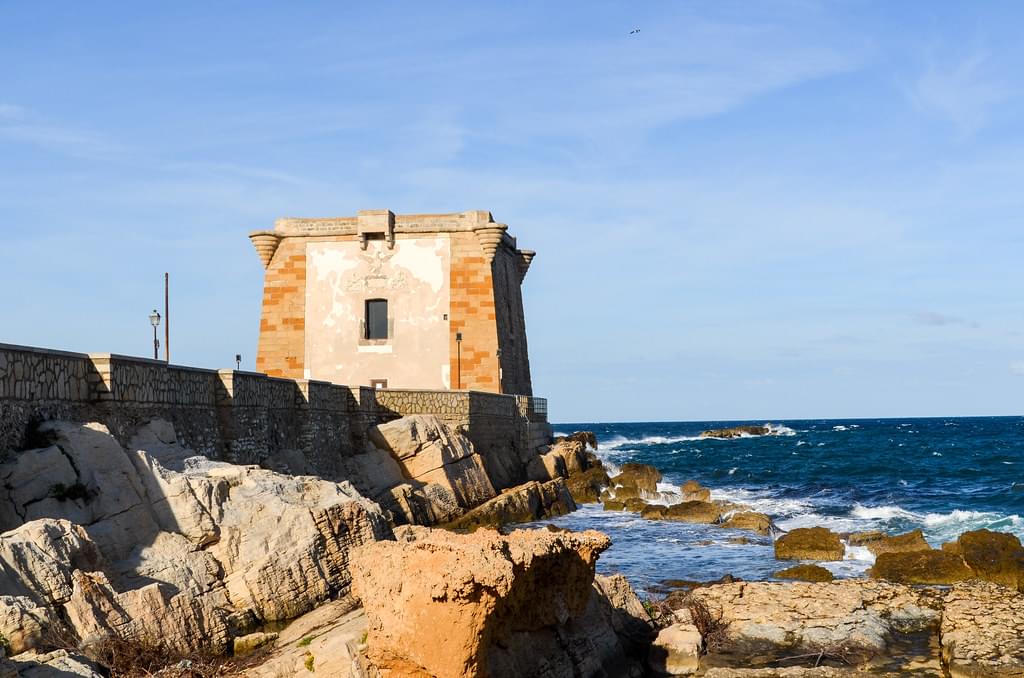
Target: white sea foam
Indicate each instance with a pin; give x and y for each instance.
(624, 443)
(883, 513)
(860, 553)
(610, 466)
(840, 427)
(942, 527)
(733, 470)
(621, 442)
(811, 519)
(773, 506)
(780, 430)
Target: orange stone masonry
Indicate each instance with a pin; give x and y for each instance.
(472, 314)
(379, 255)
(281, 351)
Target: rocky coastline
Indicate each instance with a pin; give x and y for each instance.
(147, 559)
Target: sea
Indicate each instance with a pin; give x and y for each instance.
(944, 476)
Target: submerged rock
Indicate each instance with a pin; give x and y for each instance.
(809, 543)
(806, 572)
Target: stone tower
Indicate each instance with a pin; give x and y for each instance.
(423, 301)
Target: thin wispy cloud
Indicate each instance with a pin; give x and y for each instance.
(967, 92)
(20, 126)
(934, 319)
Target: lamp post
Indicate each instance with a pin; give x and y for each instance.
(458, 348)
(154, 320)
(238, 361)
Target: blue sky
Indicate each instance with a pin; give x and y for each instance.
(743, 211)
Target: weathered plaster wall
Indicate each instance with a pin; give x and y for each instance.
(413, 277)
(296, 426)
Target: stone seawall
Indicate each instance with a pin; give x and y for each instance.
(247, 417)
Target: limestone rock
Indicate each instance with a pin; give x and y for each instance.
(982, 632)
(994, 556)
(328, 638)
(24, 622)
(517, 605)
(806, 572)
(546, 466)
(920, 567)
(175, 549)
(587, 438)
(749, 520)
(530, 501)
(736, 432)
(687, 512)
(585, 486)
(573, 453)
(694, 491)
(676, 651)
(809, 543)
(638, 477)
(799, 672)
(878, 542)
(58, 663)
(252, 641)
(772, 616)
(428, 451)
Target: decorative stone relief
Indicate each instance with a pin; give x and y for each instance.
(377, 278)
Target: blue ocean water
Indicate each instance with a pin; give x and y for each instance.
(945, 476)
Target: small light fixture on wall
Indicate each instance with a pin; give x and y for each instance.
(458, 348)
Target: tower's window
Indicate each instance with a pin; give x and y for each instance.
(376, 318)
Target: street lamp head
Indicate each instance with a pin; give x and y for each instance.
(154, 318)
